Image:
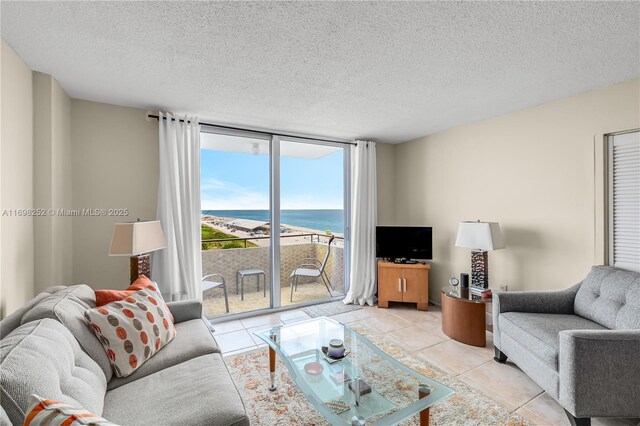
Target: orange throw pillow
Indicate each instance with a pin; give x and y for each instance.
(107, 296)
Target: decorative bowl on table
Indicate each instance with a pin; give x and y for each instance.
(314, 370)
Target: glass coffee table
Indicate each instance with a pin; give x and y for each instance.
(389, 391)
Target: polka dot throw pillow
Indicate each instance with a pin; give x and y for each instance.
(133, 329)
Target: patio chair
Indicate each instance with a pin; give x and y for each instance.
(312, 270)
(208, 285)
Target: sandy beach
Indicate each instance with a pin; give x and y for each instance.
(288, 237)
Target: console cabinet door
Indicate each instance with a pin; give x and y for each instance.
(416, 287)
(390, 285)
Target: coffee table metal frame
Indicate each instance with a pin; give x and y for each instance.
(297, 338)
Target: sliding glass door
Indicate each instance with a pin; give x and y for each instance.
(236, 218)
(274, 213)
(312, 221)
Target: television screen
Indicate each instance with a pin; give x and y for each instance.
(410, 242)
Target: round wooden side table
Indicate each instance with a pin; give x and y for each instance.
(464, 318)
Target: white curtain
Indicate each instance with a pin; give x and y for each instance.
(178, 268)
(363, 225)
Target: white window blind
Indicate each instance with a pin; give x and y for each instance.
(624, 201)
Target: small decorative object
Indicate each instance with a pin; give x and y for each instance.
(137, 239)
(336, 348)
(486, 294)
(464, 280)
(359, 388)
(479, 236)
(363, 386)
(340, 377)
(338, 406)
(479, 293)
(453, 281)
(331, 360)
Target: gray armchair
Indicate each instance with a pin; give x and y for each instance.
(581, 345)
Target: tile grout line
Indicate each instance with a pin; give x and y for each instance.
(523, 405)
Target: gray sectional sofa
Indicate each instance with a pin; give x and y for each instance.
(46, 349)
(581, 345)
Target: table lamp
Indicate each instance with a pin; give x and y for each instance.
(137, 239)
(479, 236)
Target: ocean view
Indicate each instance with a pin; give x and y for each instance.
(320, 220)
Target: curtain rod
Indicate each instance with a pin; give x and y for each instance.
(286, 135)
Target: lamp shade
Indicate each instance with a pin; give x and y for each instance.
(480, 236)
(134, 238)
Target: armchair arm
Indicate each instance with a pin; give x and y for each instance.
(185, 310)
(313, 259)
(600, 372)
(541, 302)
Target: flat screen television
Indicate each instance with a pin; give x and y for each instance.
(404, 242)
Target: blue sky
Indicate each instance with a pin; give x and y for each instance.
(239, 181)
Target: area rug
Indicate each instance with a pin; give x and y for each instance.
(329, 309)
(288, 406)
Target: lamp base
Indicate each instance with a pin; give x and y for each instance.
(479, 269)
(140, 265)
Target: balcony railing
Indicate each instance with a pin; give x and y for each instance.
(312, 237)
(292, 253)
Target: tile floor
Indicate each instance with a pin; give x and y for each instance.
(420, 333)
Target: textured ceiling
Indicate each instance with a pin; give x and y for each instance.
(388, 71)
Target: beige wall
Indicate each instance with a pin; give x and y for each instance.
(386, 179)
(115, 165)
(16, 181)
(52, 182)
(533, 171)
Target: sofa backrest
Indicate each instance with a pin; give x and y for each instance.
(67, 306)
(13, 321)
(44, 358)
(611, 297)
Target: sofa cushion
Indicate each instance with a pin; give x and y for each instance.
(198, 392)
(543, 373)
(43, 357)
(193, 339)
(68, 306)
(611, 297)
(540, 331)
